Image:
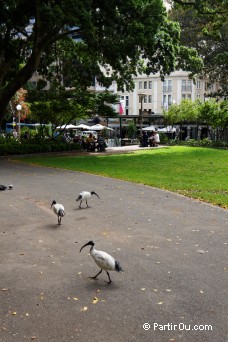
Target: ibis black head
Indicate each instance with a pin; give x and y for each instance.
(54, 202)
(94, 193)
(79, 198)
(90, 243)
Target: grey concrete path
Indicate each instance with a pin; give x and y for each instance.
(173, 251)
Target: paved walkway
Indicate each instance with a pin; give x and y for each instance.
(173, 251)
(129, 148)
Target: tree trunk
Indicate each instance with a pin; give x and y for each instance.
(18, 82)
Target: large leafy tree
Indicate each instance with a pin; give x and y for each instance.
(59, 107)
(205, 27)
(115, 36)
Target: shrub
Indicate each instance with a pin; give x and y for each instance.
(12, 146)
(198, 143)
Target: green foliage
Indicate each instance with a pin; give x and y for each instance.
(59, 106)
(207, 111)
(204, 26)
(111, 41)
(186, 111)
(163, 139)
(210, 113)
(131, 130)
(198, 143)
(14, 147)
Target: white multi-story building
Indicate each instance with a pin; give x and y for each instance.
(159, 96)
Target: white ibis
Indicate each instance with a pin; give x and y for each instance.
(103, 260)
(3, 187)
(58, 210)
(84, 196)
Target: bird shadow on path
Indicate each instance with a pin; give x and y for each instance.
(91, 285)
(53, 226)
(83, 208)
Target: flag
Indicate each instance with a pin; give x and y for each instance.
(121, 107)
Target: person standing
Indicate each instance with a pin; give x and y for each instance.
(145, 139)
(156, 139)
(15, 134)
(100, 142)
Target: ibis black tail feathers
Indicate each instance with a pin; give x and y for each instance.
(61, 213)
(118, 268)
(94, 193)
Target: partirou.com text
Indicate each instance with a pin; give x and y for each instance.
(177, 327)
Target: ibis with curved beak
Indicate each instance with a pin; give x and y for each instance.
(84, 196)
(58, 210)
(105, 261)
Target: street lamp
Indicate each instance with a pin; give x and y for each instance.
(141, 98)
(19, 107)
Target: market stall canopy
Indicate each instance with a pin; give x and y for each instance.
(82, 126)
(149, 128)
(168, 129)
(99, 127)
(67, 127)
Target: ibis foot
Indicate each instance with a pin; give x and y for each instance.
(109, 282)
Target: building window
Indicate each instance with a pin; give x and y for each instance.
(189, 96)
(164, 105)
(150, 99)
(145, 84)
(169, 100)
(127, 101)
(186, 86)
(150, 84)
(145, 99)
(183, 85)
(198, 96)
(140, 84)
(198, 84)
(167, 86)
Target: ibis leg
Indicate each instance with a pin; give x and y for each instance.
(109, 282)
(95, 277)
(87, 204)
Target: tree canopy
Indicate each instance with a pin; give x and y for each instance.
(204, 26)
(211, 113)
(112, 36)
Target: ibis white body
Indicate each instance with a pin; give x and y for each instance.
(103, 260)
(58, 210)
(84, 196)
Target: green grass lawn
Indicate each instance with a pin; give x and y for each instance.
(200, 173)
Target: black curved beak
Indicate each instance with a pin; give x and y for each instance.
(90, 243)
(79, 198)
(94, 193)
